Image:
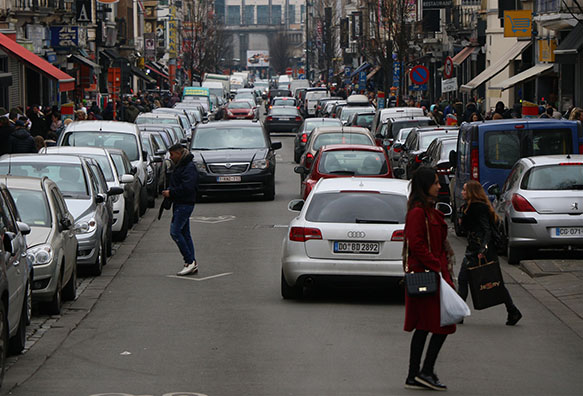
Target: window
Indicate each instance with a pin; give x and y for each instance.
(302, 13)
(355, 207)
(501, 149)
(341, 138)
(551, 141)
(32, 207)
(554, 177)
(291, 14)
(262, 15)
(125, 141)
(249, 17)
(276, 15)
(353, 163)
(233, 15)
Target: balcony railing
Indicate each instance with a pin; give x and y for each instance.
(556, 6)
(38, 5)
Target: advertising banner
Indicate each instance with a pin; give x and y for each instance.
(172, 33)
(257, 58)
(63, 37)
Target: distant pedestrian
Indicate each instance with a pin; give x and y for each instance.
(21, 140)
(476, 218)
(39, 143)
(426, 233)
(5, 135)
(182, 193)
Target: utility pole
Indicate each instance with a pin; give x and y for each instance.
(307, 42)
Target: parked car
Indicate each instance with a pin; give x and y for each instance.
(394, 112)
(112, 134)
(487, 151)
(541, 205)
(437, 157)
(304, 131)
(283, 119)
(240, 109)
(234, 156)
(156, 168)
(188, 119)
(390, 127)
(394, 148)
(328, 108)
(168, 134)
(166, 119)
(83, 195)
(131, 189)
(347, 228)
(19, 274)
(51, 244)
(344, 160)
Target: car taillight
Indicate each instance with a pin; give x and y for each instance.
(581, 148)
(303, 234)
(475, 165)
(397, 149)
(418, 159)
(398, 236)
(570, 163)
(298, 118)
(309, 158)
(521, 204)
(298, 107)
(269, 118)
(304, 138)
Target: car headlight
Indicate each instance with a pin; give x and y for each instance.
(260, 164)
(149, 174)
(85, 226)
(201, 167)
(41, 254)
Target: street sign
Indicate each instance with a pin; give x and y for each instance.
(449, 85)
(347, 71)
(448, 67)
(418, 87)
(419, 75)
(63, 37)
(362, 80)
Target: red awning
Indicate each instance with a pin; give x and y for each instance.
(165, 76)
(461, 56)
(66, 82)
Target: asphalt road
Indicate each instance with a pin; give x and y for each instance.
(226, 331)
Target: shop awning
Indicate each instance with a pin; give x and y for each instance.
(141, 74)
(373, 72)
(111, 53)
(161, 74)
(461, 56)
(522, 76)
(65, 81)
(568, 49)
(84, 60)
(360, 68)
(497, 66)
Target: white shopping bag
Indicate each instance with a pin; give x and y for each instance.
(453, 308)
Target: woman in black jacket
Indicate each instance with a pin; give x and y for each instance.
(476, 220)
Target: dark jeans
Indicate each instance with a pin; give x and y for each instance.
(180, 231)
(463, 285)
(417, 346)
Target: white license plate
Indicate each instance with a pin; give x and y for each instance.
(567, 232)
(356, 247)
(283, 119)
(221, 179)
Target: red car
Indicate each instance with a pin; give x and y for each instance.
(345, 160)
(239, 109)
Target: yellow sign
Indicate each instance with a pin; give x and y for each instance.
(172, 33)
(518, 23)
(546, 50)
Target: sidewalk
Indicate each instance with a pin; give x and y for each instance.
(557, 284)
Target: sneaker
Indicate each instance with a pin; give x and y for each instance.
(513, 317)
(411, 383)
(191, 268)
(431, 381)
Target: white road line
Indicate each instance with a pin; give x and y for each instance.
(199, 279)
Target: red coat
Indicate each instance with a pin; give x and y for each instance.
(423, 313)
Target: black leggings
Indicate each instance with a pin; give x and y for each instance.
(417, 346)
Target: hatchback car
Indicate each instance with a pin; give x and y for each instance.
(52, 246)
(541, 204)
(284, 101)
(344, 160)
(350, 227)
(362, 119)
(239, 109)
(304, 131)
(283, 119)
(234, 156)
(437, 157)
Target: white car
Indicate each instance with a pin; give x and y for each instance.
(348, 227)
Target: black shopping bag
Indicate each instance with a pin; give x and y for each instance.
(486, 284)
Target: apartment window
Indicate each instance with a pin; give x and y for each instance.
(302, 13)
(262, 15)
(291, 14)
(219, 10)
(233, 15)
(276, 15)
(249, 16)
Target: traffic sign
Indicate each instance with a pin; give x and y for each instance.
(419, 75)
(449, 85)
(448, 68)
(419, 87)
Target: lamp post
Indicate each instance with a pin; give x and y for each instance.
(307, 42)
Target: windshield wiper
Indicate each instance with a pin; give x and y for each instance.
(341, 172)
(376, 221)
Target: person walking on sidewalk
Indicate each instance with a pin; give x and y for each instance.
(182, 193)
(426, 233)
(476, 220)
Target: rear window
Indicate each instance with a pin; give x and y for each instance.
(288, 111)
(284, 102)
(356, 207)
(397, 126)
(69, 178)
(341, 138)
(239, 105)
(310, 125)
(553, 177)
(360, 163)
(314, 95)
(425, 139)
(32, 207)
(364, 120)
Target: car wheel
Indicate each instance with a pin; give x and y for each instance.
(515, 254)
(123, 233)
(97, 268)
(3, 341)
(16, 343)
(269, 192)
(297, 157)
(54, 306)
(70, 289)
(289, 292)
(143, 201)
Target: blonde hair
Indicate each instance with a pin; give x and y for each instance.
(576, 114)
(475, 193)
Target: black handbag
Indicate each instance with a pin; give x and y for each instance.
(419, 284)
(486, 284)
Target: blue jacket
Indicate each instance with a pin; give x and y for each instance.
(184, 181)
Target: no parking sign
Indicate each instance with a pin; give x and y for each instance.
(419, 75)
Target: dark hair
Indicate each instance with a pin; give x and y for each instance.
(423, 178)
(176, 147)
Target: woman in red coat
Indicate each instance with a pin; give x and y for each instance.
(426, 234)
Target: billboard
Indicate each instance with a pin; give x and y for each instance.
(257, 58)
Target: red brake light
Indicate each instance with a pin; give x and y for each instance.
(418, 159)
(397, 149)
(310, 156)
(475, 165)
(571, 163)
(519, 126)
(398, 236)
(581, 148)
(304, 138)
(521, 204)
(269, 118)
(298, 118)
(303, 234)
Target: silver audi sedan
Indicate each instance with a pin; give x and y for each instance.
(347, 227)
(541, 204)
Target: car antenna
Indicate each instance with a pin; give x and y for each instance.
(568, 156)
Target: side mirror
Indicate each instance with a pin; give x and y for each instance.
(23, 228)
(126, 179)
(494, 189)
(156, 159)
(399, 172)
(66, 224)
(160, 153)
(276, 145)
(296, 205)
(134, 170)
(300, 170)
(99, 198)
(114, 191)
(453, 158)
(444, 208)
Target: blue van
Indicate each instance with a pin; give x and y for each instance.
(486, 151)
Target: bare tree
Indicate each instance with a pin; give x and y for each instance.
(279, 52)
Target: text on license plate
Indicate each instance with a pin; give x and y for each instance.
(568, 232)
(228, 179)
(356, 247)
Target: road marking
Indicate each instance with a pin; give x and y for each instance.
(199, 279)
(280, 225)
(213, 219)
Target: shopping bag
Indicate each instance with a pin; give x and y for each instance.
(486, 284)
(453, 308)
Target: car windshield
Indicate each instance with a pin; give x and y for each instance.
(284, 111)
(284, 102)
(32, 207)
(425, 139)
(229, 138)
(353, 162)
(310, 125)
(554, 177)
(357, 207)
(239, 105)
(347, 111)
(341, 138)
(70, 178)
(125, 141)
(156, 120)
(103, 162)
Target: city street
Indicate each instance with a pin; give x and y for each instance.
(140, 330)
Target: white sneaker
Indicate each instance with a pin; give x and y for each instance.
(188, 269)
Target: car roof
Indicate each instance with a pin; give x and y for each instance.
(354, 147)
(357, 100)
(324, 120)
(541, 160)
(24, 182)
(406, 119)
(79, 150)
(356, 184)
(158, 115)
(284, 98)
(99, 125)
(436, 128)
(229, 123)
(52, 158)
(342, 129)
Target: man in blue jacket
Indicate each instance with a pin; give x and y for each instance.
(182, 193)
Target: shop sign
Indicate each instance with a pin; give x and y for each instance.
(172, 33)
(449, 85)
(63, 37)
(436, 4)
(518, 23)
(546, 50)
(84, 13)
